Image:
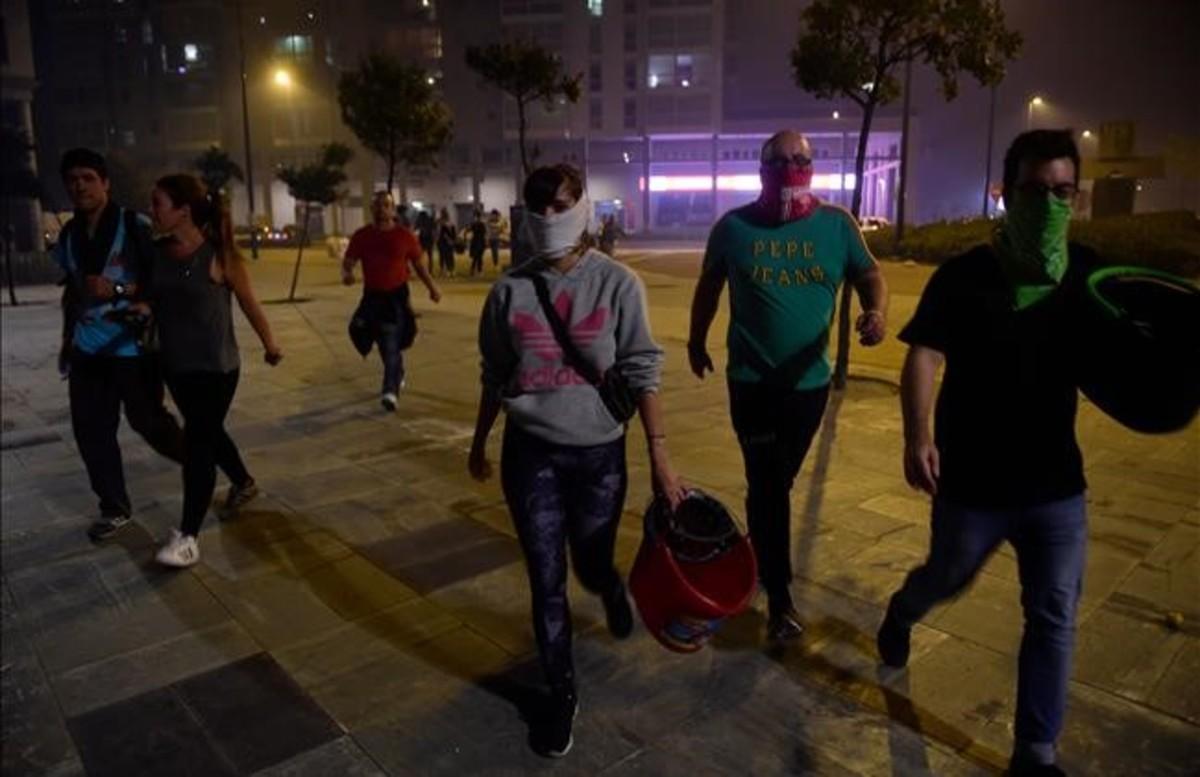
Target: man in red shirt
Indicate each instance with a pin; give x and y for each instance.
(386, 250)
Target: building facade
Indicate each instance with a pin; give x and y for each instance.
(678, 96)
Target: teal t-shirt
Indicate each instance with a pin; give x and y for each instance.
(783, 281)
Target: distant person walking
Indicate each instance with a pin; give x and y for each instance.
(563, 467)
(384, 315)
(197, 272)
(496, 227)
(447, 240)
(426, 234)
(477, 242)
(609, 232)
(107, 255)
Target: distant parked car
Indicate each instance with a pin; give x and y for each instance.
(872, 223)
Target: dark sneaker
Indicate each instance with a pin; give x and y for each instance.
(564, 706)
(389, 402)
(893, 641)
(1020, 767)
(107, 527)
(238, 497)
(784, 625)
(618, 613)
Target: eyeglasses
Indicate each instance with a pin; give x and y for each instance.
(1063, 191)
(779, 162)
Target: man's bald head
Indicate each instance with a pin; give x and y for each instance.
(786, 144)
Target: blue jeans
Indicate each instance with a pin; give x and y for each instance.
(388, 343)
(562, 495)
(1051, 543)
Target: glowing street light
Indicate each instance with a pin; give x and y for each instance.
(283, 78)
(837, 115)
(1086, 134)
(1034, 102)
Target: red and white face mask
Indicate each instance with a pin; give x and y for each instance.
(787, 192)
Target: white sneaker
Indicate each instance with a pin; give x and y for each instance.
(180, 551)
(389, 402)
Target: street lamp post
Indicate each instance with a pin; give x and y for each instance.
(1034, 102)
(246, 135)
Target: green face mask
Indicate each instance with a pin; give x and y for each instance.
(1032, 245)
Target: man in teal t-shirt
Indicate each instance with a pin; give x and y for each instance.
(784, 257)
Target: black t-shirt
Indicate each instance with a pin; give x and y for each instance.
(1005, 418)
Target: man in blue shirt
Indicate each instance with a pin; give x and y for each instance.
(105, 251)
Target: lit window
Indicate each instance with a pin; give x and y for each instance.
(190, 52)
(596, 7)
(294, 46)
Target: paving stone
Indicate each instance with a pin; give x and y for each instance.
(437, 556)
(276, 611)
(1124, 654)
(988, 613)
(1105, 734)
(152, 733)
(342, 757)
(351, 647)
(80, 612)
(94, 685)
(311, 491)
(242, 550)
(970, 688)
(1175, 691)
(354, 588)
(494, 603)
(255, 714)
(36, 741)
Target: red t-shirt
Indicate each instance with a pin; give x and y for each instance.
(385, 254)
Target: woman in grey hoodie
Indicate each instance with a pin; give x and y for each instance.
(562, 466)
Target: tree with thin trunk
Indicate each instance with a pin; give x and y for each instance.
(18, 181)
(395, 111)
(316, 183)
(528, 73)
(217, 169)
(852, 48)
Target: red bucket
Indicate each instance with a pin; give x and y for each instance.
(694, 570)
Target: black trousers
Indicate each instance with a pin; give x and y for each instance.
(775, 427)
(204, 398)
(98, 387)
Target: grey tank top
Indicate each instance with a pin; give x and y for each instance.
(195, 315)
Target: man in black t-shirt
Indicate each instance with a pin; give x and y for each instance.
(1003, 463)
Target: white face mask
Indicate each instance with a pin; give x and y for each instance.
(550, 237)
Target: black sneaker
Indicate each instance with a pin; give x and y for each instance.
(784, 625)
(107, 527)
(1020, 767)
(893, 641)
(564, 706)
(238, 497)
(618, 613)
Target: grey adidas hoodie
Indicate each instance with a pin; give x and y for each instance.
(604, 306)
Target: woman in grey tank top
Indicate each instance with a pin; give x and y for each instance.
(197, 272)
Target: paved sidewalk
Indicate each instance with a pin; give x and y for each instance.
(369, 614)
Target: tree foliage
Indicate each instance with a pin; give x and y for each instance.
(217, 169)
(318, 182)
(528, 73)
(852, 49)
(395, 112)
